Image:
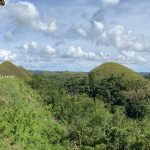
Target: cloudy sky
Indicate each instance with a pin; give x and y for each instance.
(75, 35)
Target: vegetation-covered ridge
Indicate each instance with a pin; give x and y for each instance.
(24, 122)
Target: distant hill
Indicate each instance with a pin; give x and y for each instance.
(68, 74)
(49, 73)
(111, 68)
(8, 68)
(61, 74)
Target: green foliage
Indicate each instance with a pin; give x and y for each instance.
(77, 85)
(25, 121)
(93, 124)
(27, 127)
(135, 110)
(116, 91)
(89, 129)
(109, 89)
(50, 89)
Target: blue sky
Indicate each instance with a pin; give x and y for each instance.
(75, 35)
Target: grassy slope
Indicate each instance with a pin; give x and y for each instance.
(25, 71)
(12, 89)
(112, 68)
(7, 68)
(24, 122)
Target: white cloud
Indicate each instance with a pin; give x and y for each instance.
(7, 55)
(49, 27)
(98, 26)
(33, 50)
(79, 53)
(81, 32)
(26, 14)
(131, 57)
(110, 2)
(75, 52)
(28, 47)
(77, 32)
(118, 37)
(49, 50)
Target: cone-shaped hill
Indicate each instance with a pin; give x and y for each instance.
(111, 68)
(9, 69)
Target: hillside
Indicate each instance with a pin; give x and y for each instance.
(7, 68)
(25, 71)
(25, 123)
(111, 68)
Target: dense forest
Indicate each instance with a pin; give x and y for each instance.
(97, 111)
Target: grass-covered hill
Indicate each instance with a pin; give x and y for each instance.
(24, 123)
(111, 68)
(25, 71)
(9, 69)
